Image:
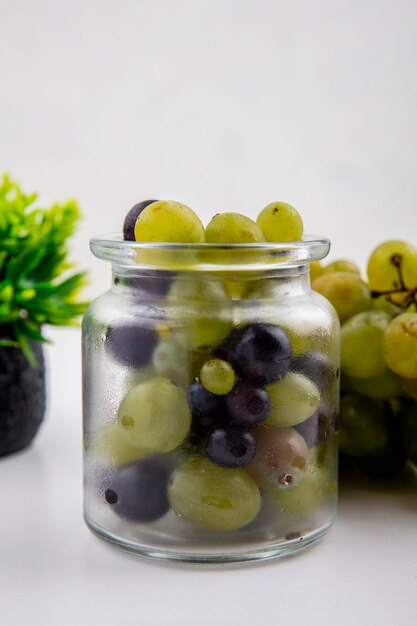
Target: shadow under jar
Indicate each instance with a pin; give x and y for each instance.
(211, 385)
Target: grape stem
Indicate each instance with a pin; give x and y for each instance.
(411, 294)
(396, 260)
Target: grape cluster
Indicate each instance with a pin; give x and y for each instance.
(173, 222)
(378, 409)
(219, 416)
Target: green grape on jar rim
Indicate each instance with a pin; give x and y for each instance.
(217, 376)
(170, 222)
(212, 497)
(393, 266)
(154, 416)
(294, 399)
(342, 265)
(233, 228)
(280, 221)
(362, 354)
(167, 259)
(346, 291)
(111, 448)
(400, 345)
(201, 313)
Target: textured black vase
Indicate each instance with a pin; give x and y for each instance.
(22, 397)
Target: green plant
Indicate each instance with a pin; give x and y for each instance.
(38, 285)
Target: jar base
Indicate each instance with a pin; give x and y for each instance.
(279, 549)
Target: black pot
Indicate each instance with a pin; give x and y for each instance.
(22, 397)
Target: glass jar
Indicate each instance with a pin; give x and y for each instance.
(243, 466)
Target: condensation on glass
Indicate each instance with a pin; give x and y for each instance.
(174, 471)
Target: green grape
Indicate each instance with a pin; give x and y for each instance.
(201, 312)
(198, 358)
(382, 304)
(213, 497)
(217, 376)
(342, 265)
(294, 399)
(134, 376)
(281, 459)
(307, 327)
(386, 461)
(233, 228)
(314, 490)
(345, 384)
(262, 289)
(362, 337)
(382, 387)
(347, 292)
(172, 361)
(310, 337)
(280, 222)
(400, 345)
(393, 266)
(363, 427)
(409, 386)
(168, 221)
(110, 447)
(235, 288)
(325, 456)
(155, 416)
(168, 259)
(316, 270)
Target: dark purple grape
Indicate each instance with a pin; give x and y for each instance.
(207, 409)
(138, 491)
(247, 405)
(224, 351)
(315, 366)
(151, 282)
(203, 402)
(205, 424)
(230, 447)
(262, 354)
(131, 344)
(318, 427)
(131, 217)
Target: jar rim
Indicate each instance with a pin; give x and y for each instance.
(208, 256)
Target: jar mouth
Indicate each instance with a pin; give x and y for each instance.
(209, 256)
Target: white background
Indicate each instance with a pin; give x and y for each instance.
(223, 105)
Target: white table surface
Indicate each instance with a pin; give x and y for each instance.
(54, 571)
